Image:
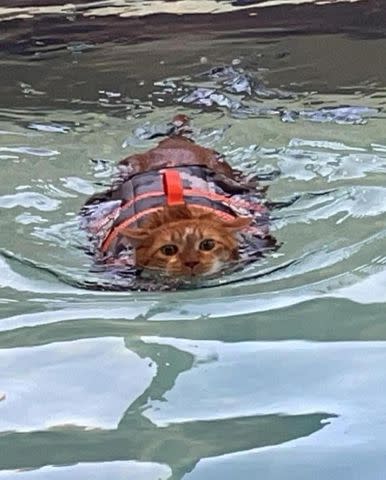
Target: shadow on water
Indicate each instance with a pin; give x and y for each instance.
(180, 445)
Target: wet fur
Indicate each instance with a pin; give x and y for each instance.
(186, 229)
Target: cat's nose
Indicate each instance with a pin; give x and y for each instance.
(191, 264)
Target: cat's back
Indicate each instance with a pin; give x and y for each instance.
(176, 151)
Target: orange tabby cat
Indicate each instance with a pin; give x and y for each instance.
(184, 241)
(180, 207)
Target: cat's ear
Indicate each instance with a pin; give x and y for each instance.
(208, 217)
(135, 235)
(237, 224)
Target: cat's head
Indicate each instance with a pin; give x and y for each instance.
(181, 242)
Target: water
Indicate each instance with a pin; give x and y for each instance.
(273, 372)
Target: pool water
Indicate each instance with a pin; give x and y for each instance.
(275, 371)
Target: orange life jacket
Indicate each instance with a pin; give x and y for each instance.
(149, 192)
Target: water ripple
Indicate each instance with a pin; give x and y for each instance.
(29, 200)
(44, 376)
(37, 152)
(247, 375)
(95, 470)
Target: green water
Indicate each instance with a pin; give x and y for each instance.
(275, 372)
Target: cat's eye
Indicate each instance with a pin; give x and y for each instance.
(169, 250)
(207, 245)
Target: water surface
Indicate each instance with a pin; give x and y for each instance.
(274, 371)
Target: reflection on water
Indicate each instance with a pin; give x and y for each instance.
(273, 371)
(45, 376)
(98, 471)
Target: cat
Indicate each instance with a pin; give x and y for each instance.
(177, 209)
(183, 241)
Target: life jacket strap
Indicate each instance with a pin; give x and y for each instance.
(173, 187)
